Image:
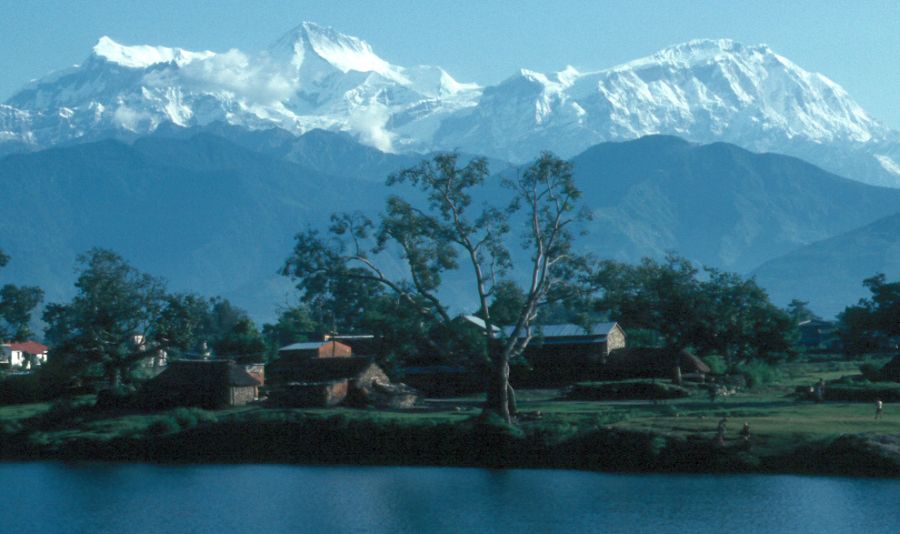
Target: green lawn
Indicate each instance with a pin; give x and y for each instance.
(778, 421)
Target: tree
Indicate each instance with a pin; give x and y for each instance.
(294, 324)
(712, 312)
(445, 231)
(799, 311)
(741, 324)
(184, 325)
(114, 304)
(242, 343)
(871, 324)
(16, 306)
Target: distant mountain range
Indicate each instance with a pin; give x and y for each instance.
(317, 78)
(829, 273)
(205, 213)
(217, 216)
(716, 204)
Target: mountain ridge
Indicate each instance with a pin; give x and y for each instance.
(313, 77)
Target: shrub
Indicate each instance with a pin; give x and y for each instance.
(20, 389)
(166, 424)
(191, 417)
(757, 373)
(116, 398)
(863, 392)
(716, 364)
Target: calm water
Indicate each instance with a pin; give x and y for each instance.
(56, 497)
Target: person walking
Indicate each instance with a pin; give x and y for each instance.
(879, 407)
(720, 432)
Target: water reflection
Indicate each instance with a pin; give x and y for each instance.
(56, 497)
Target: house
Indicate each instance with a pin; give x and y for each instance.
(481, 325)
(652, 362)
(315, 349)
(817, 333)
(23, 355)
(156, 359)
(360, 344)
(204, 383)
(556, 343)
(326, 382)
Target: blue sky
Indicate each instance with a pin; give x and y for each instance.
(857, 44)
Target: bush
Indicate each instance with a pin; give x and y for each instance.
(191, 417)
(870, 371)
(20, 389)
(627, 390)
(757, 373)
(716, 363)
(120, 397)
(166, 424)
(863, 392)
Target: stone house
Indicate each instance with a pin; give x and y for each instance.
(572, 345)
(325, 381)
(204, 383)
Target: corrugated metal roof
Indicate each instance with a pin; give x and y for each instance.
(566, 330)
(479, 322)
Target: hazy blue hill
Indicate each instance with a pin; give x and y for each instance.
(329, 152)
(829, 273)
(717, 204)
(206, 214)
(215, 210)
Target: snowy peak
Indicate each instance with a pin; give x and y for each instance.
(312, 77)
(701, 51)
(343, 52)
(143, 56)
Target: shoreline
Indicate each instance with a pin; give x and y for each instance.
(341, 440)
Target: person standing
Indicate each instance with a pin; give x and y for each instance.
(879, 407)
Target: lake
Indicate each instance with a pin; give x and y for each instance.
(99, 497)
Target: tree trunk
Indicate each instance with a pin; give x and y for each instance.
(501, 399)
(113, 376)
(513, 405)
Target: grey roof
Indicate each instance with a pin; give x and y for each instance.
(566, 330)
(479, 322)
(308, 345)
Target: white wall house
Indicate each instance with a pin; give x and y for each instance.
(23, 355)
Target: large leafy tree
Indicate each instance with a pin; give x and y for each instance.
(711, 311)
(871, 324)
(114, 304)
(17, 303)
(445, 231)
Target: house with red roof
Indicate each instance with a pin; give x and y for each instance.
(23, 355)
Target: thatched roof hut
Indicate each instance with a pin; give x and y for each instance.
(650, 362)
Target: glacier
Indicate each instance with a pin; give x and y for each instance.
(315, 77)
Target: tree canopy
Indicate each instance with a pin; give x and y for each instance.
(120, 316)
(17, 303)
(448, 230)
(874, 323)
(710, 311)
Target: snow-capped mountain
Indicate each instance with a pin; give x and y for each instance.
(314, 77)
(703, 90)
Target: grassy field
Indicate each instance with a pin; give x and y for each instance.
(779, 422)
